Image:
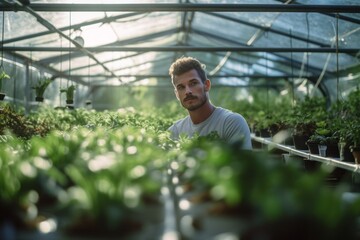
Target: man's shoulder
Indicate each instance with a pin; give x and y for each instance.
(179, 123)
(226, 113)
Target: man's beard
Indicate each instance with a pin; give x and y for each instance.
(203, 100)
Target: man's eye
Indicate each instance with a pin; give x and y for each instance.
(180, 87)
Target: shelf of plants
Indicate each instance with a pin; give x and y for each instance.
(82, 174)
(307, 155)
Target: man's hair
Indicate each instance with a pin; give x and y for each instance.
(185, 64)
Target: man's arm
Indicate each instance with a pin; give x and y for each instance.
(236, 128)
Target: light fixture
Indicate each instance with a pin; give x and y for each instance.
(78, 38)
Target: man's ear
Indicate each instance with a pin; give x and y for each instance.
(207, 85)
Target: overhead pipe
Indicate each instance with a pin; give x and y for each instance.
(194, 7)
(183, 48)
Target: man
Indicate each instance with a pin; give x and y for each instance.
(192, 90)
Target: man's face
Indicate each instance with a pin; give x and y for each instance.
(190, 90)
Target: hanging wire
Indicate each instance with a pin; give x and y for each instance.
(325, 66)
(292, 71)
(88, 102)
(337, 56)
(69, 77)
(305, 60)
(61, 66)
(2, 40)
(267, 85)
(307, 45)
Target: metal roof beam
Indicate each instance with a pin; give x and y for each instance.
(335, 15)
(171, 7)
(75, 26)
(51, 27)
(268, 29)
(183, 48)
(120, 43)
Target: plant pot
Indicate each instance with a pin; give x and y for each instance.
(69, 101)
(264, 133)
(313, 147)
(345, 153)
(39, 99)
(322, 150)
(356, 153)
(332, 150)
(300, 142)
(2, 96)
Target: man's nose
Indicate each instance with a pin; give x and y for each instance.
(188, 90)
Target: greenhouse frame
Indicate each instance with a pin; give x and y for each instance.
(87, 102)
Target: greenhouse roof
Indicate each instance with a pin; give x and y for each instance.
(134, 42)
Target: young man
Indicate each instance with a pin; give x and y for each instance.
(192, 90)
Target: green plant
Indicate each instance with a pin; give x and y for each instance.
(323, 134)
(69, 92)
(3, 76)
(354, 134)
(41, 86)
(306, 114)
(244, 184)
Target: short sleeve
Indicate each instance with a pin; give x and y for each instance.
(236, 128)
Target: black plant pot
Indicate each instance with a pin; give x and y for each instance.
(39, 99)
(2, 96)
(300, 142)
(332, 150)
(264, 133)
(356, 153)
(345, 153)
(313, 147)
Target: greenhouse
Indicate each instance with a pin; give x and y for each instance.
(92, 91)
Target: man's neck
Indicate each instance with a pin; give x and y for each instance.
(201, 114)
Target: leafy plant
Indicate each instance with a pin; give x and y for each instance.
(306, 114)
(41, 86)
(244, 183)
(3, 76)
(69, 91)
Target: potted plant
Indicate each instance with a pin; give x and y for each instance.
(40, 88)
(3, 76)
(69, 94)
(303, 120)
(355, 138)
(313, 142)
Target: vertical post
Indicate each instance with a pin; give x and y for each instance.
(27, 88)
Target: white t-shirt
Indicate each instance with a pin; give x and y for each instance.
(230, 127)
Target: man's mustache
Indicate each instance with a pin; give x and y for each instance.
(190, 97)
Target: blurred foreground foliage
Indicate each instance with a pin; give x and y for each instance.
(94, 170)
